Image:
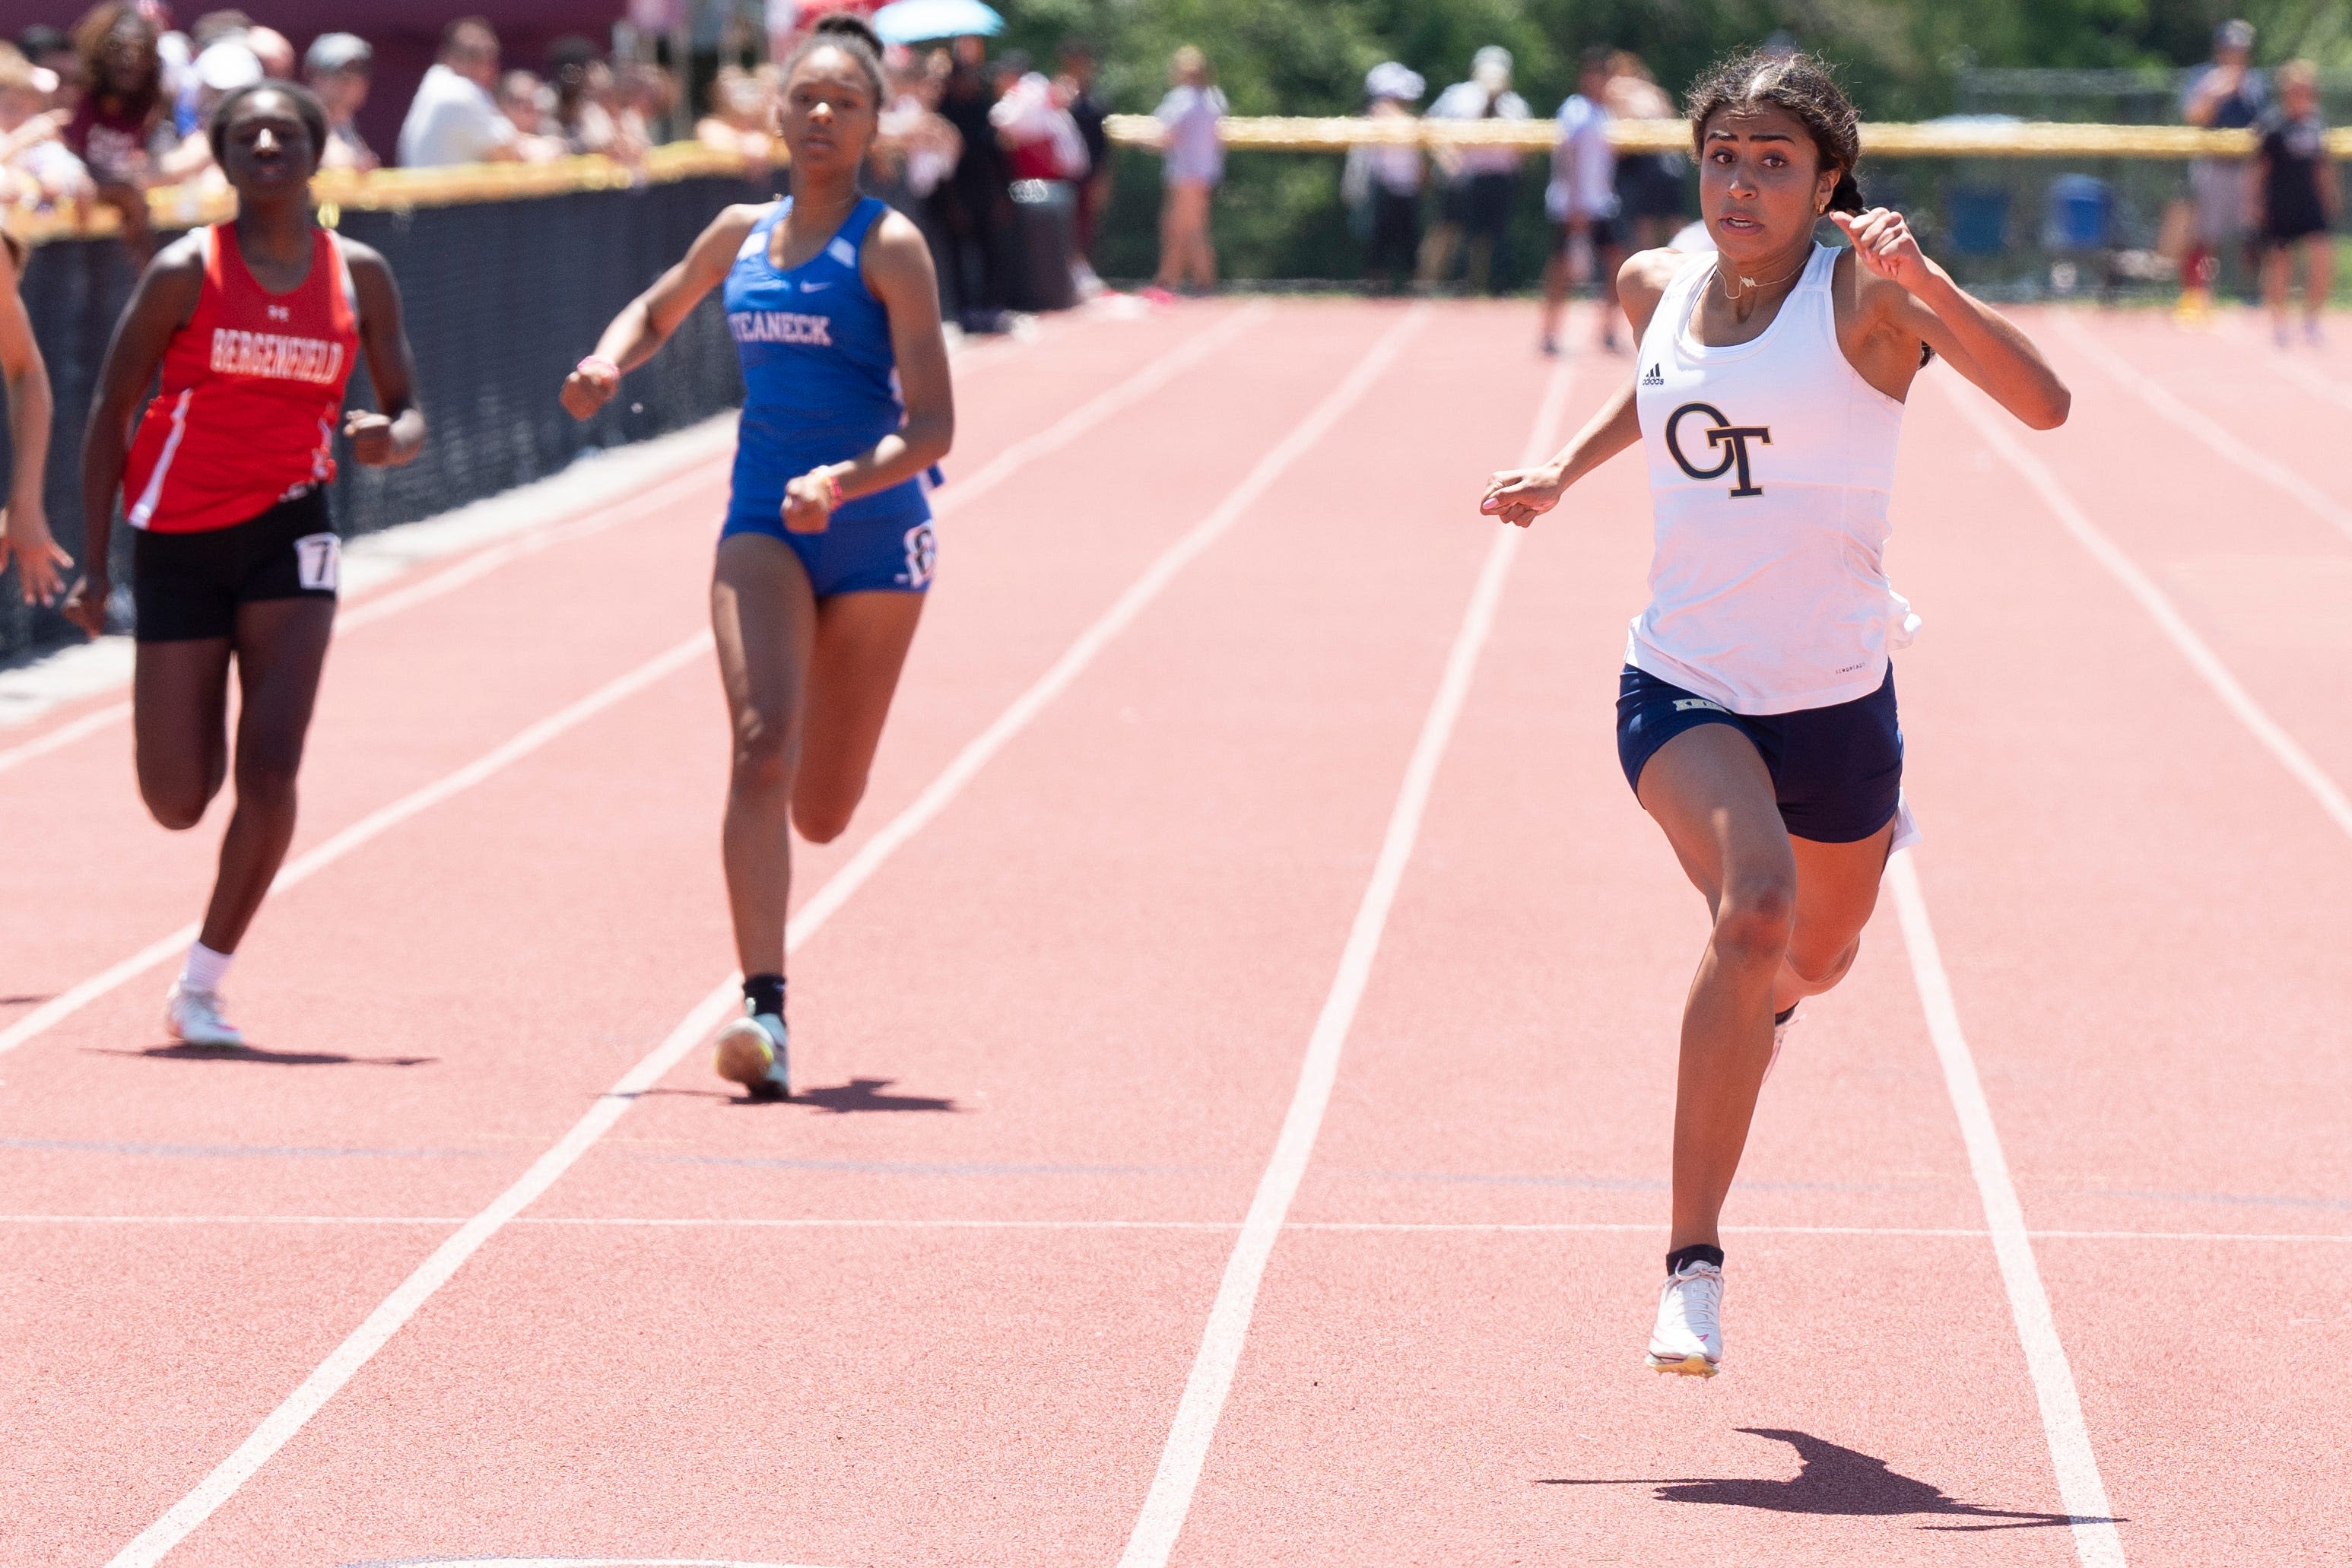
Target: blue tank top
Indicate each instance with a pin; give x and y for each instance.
(820, 382)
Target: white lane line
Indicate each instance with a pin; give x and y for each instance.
(1003, 467)
(344, 1362)
(64, 735)
(566, 1563)
(960, 493)
(2081, 1491)
(963, 491)
(1434, 1227)
(2171, 409)
(374, 825)
(393, 601)
(2201, 657)
(2283, 362)
(1211, 1379)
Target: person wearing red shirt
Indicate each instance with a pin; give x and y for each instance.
(254, 325)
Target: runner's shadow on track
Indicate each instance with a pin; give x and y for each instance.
(843, 1100)
(1837, 1480)
(256, 1054)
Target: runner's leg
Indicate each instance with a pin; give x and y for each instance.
(860, 646)
(1837, 887)
(179, 716)
(281, 648)
(764, 616)
(1708, 789)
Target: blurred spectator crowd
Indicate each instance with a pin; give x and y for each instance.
(1003, 166)
(116, 106)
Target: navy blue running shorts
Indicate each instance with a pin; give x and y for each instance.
(1836, 771)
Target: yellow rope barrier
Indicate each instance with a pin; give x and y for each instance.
(398, 189)
(1971, 139)
(402, 190)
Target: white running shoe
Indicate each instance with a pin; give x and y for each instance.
(195, 1018)
(755, 1051)
(1688, 1338)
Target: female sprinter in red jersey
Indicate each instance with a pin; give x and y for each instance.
(826, 550)
(1756, 714)
(254, 325)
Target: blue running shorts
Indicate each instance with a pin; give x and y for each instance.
(1837, 771)
(867, 555)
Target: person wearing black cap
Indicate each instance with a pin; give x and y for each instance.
(337, 68)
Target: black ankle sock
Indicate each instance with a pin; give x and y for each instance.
(765, 993)
(1699, 1254)
(1784, 1015)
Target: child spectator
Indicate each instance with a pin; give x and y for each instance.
(2295, 182)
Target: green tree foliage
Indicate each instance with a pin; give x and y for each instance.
(1280, 215)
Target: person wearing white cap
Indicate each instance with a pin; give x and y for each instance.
(221, 70)
(1478, 180)
(1382, 182)
(2227, 95)
(338, 69)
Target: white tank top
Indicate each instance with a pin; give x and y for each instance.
(1770, 466)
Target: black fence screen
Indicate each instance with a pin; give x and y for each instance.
(502, 298)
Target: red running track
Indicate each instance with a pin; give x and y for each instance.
(1206, 614)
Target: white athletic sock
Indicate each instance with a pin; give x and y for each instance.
(205, 968)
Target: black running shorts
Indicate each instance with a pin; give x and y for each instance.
(189, 585)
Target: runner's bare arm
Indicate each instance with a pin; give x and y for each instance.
(646, 322)
(160, 305)
(25, 521)
(1519, 496)
(898, 268)
(1900, 290)
(395, 433)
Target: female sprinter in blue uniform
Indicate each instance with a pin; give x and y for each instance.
(1756, 714)
(827, 550)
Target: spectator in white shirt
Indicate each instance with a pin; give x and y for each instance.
(1193, 164)
(1582, 202)
(453, 118)
(1480, 181)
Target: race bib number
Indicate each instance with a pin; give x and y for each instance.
(922, 555)
(318, 561)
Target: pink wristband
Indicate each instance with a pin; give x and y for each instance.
(832, 490)
(598, 362)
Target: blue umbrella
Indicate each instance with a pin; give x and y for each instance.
(918, 21)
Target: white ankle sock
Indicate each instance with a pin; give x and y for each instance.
(205, 968)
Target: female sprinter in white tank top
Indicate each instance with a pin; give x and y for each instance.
(1756, 713)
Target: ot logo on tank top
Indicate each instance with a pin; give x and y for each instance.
(1730, 440)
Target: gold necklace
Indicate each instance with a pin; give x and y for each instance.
(1751, 285)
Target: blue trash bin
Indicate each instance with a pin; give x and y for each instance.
(1980, 220)
(2082, 216)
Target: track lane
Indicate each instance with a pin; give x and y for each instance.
(2134, 911)
(417, 695)
(1513, 1066)
(1135, 1009)
(508, 980)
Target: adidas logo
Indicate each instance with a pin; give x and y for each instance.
(1654, 376)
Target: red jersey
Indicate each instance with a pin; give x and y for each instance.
(252, 387)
